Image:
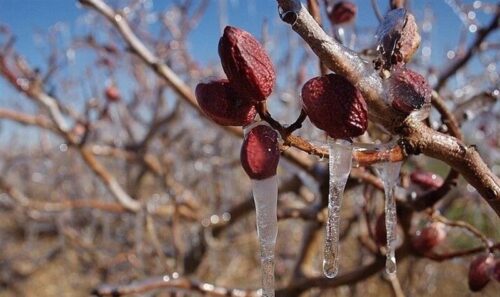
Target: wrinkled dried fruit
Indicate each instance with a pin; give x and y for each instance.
(408, 90)
(260, 152)
(246, 64)
(220, 103)
(398, 37)
(410, 39)
(429, 237)
(112, 94)
(380, 230)
(478, 272)
(342, 12)
(425, 179)
(335, 106)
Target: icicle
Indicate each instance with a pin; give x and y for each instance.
(260, 158)
(389, 172)
(340, 167)
(265, 194)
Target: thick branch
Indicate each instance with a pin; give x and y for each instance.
(364, 76)
(432, 197)
(342, 61)
(420, 138)
(465, 159)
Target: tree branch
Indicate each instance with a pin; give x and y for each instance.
(419, 138)
(465, 159)
(342, 61)
(481, 35)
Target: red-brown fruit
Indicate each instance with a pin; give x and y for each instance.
(260, 152)
(246, 64)
(220, 103)
(342, 12)
(398, 37)
(495, 271)
(478, 272)
(380, 230)
(112, 94)
(408, 90)
(335, 106)
(429, 237)
(425, 179)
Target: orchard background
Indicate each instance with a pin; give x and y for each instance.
(115, 183)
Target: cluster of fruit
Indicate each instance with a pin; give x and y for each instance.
(331, 102)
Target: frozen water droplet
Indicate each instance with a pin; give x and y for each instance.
(340, 166)
(389, 173)
(393, 21)
(265, 194)
(389, 32)
(390, 265)
(249, 127)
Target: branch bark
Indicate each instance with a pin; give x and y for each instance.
(419, 138)
(464, 159)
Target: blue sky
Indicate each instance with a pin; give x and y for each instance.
(26, 17)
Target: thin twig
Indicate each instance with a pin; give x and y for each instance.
(463, 225)
(481, 35)
(377, 11)
(458, 254)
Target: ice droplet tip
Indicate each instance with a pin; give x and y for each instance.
(390, 266)
(330, 270)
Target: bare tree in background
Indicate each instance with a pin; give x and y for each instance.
(130, 189)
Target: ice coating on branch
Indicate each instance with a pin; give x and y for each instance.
(389, 173)
(340, 167)
(393, 21)
(388, 34)
(265, 194)
(397, 38)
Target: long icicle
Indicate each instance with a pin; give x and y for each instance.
(265, 194)
(389, 172)
(340, 166)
